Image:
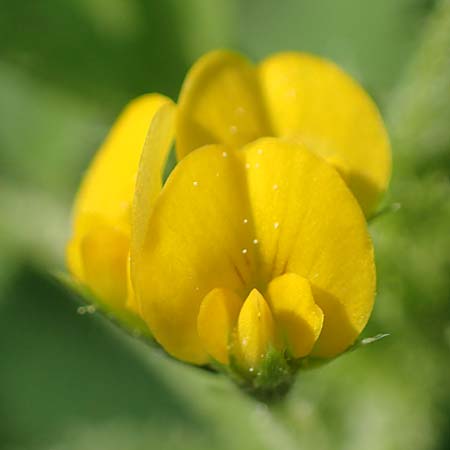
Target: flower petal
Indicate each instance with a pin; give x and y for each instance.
(217, 317)
(104, 251)
(220, 103)
(96, 253)
(255, 331)
(108, 187)
(197, 240)
(314, 101)
(307, 222)
(296, 315)
(149, 179)
(131, 303)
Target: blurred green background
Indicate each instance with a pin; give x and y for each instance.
(73, 382)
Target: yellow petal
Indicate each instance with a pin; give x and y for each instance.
(255, 331)
(198, 239)
(83, 224)
(108, 187)
(296, 315)
(220, 102)
(104, 252)
(311, 99)
(73, 258)
(149, 177)
(217, 317)
(131, 303)
(97, 254)
(307, 222)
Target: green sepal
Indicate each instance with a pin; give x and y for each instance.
(269, 382)
(311, 362)
(366, 341)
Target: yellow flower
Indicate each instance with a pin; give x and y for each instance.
(255, 253)
(246, 252)
(300, 97)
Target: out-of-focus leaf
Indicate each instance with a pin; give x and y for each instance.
(33, 223)
(108, 50)
(206, 25)
(420, 111)
(371, 40)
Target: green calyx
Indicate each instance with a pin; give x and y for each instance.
(270, 381)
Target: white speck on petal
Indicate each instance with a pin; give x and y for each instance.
(276, 225)
(245, 221)
(224, 154)
(275, 187)
(244, 251)
(256, 165)
(244, 342)
(195, 183)
(255, 241)
(251, 369)
(247, 165)
(260, 151)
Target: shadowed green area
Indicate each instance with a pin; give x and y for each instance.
(75, 382)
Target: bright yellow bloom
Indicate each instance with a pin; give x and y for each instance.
(255, 253)
(226, 99)
(252, 251)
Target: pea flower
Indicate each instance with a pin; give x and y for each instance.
(254, 256)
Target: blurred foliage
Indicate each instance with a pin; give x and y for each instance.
(71, 382)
